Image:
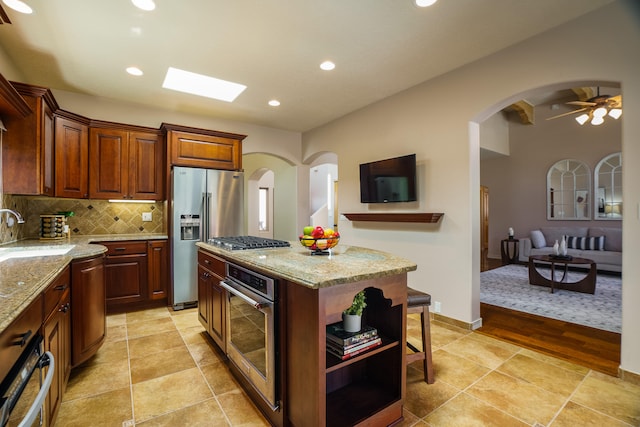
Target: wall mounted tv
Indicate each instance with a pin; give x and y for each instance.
(389, 180)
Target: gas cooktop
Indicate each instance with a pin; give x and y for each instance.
(237, 243)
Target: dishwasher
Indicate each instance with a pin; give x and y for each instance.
(23, 391)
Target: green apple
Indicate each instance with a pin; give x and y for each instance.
(307, 230)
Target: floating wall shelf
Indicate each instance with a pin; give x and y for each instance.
(395, 217)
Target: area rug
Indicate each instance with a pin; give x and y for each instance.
(509, 287)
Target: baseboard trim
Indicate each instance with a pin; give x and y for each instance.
(628, 376)
(458, 323)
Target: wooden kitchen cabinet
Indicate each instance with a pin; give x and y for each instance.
(57, 338)
(88, 314)
(27, 145)
(158, 274)
(125, 163)
(203, 148)
(71, 156)
(212, 297)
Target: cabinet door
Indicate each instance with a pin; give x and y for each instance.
(218, 314)
(146, 166)
(205, 151)
(71, 159)
(27, 146)
(204, 297)
(108, 157)
(57, 340)
(88, 308)
(158, 254)
(126, 277)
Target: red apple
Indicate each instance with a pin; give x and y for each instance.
(317, 232)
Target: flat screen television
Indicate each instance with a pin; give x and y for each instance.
(389, 180)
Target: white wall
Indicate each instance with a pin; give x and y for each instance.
(494, 134)
(447, 143)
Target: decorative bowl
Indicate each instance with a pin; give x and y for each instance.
(320, 245)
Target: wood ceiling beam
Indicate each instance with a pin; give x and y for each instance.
(525, 111)
(584, 93)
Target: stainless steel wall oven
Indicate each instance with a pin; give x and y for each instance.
(251, 339)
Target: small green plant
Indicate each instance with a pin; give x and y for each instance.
(358, 304)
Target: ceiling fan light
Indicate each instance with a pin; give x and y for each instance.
(615, 113)
(582, 118)
(18, 6)
(597, 120)
(600, 112)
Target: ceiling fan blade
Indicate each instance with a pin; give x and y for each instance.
(582, 103)
(567, 114)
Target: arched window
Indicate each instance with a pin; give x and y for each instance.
(569, 191)
(607, 181)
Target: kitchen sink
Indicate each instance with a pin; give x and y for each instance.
(33, 251)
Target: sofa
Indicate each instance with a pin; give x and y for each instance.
(601, 244)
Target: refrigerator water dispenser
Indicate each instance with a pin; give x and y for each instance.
(189, 227)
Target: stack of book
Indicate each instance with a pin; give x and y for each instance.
(345, 345)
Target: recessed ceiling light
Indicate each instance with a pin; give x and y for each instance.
(134, 71)
(201, 85)
(144, 4)
(18, 6)
(425, 3)
(327, 65)
(274, 103)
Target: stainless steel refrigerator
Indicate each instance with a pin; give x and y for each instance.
(206, 203)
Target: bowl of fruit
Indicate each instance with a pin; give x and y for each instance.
(319, 240)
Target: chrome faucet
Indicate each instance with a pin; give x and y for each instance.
(16, 214)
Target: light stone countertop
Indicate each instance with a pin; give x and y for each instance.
(23, 279)
(346, 264)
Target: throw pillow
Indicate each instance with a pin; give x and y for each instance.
(586, 243)
(537, 239)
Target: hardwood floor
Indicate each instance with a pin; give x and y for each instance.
(593, 348)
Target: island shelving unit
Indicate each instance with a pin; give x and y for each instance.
(424, 217)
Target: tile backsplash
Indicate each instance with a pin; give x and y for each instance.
(90, 216)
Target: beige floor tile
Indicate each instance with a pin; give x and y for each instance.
(156, 365)
(219, 378)
(151, 344)
(423, 398)
(481, 350)
(555, 361)
(194, 336)
(240, 410)
(611, 396)
(116, 319)
(517, 398)
(443, 334)
(116, 333)
(204, 353)
(107, 409)
(464, 410)
(187, 320)
(96, 379)
(166, 394)
(143, 328)
(573, 415)
(204, 414)
(542, 374)
(110, 352)
(149, 314)
(457, 371)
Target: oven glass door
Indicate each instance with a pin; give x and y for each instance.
(250, 337)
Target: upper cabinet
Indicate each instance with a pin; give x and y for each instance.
(203, 148)
(125, 163)
(71, 156)
(11, 103)
(27, 145)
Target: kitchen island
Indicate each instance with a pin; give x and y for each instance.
(314, 387)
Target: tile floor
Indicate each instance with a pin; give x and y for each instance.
(158, 369)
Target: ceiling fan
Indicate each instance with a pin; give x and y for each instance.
(595, 109)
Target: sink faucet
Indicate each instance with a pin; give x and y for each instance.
(16, 214)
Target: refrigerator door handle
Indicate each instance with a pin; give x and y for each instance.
(204, 224)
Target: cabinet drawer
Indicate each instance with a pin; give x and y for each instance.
(19, 334)
(56, 290)
(212, 263)
(125, 248)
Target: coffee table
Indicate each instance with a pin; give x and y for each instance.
(586, 285)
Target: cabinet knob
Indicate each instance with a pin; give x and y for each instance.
(64, 308)
(61, 287)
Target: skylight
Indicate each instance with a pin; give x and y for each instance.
(201, 85)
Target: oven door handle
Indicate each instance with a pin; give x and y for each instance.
(256, 304)
(34, 410)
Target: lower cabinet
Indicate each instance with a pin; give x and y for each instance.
(88, 314)
(56, 331)
(212, 297)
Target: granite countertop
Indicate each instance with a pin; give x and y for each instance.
(22, 279)
(345, 264)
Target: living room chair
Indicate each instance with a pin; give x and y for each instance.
(419, 302)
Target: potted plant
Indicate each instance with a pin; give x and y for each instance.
(352, 316)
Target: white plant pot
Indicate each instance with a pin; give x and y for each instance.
(351, 322)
